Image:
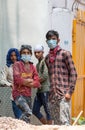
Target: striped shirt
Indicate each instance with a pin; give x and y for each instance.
(62, 73)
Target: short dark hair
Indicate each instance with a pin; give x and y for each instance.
(51, 33)
(26, 47)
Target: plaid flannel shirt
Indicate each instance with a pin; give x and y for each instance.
(62, 74)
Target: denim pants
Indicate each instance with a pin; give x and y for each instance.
(16, 110)
(24, 103)
(41, 99)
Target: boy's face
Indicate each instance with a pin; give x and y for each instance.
(13, 57)
(25, 52)
(38, 54)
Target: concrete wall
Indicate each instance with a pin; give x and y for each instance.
(22, 21)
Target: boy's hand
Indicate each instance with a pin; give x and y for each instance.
(67, 96)
(41, 80)
(30, 82)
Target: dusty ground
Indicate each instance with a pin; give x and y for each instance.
(8, 123)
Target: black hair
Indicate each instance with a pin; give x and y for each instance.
(51, 33)
(26, 47)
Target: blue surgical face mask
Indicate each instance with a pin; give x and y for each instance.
(26, 58)
(52, 43)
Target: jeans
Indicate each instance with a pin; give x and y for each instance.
(40, 100)
(16, 110)
(24, 103)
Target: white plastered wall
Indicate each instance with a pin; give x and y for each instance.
(25, 21)
(22, 21)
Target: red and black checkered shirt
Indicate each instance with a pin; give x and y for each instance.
(62, 73)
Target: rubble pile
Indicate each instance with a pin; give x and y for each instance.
(8, 123)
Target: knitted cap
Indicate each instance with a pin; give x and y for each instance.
(38, 48)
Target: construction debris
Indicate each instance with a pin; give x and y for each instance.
(8, 123)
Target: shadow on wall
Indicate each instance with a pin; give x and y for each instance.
(5, 39)
(9, 31)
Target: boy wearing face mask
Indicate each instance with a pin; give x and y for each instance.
(62, 74)
(25, 77)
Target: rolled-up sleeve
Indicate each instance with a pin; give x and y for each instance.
(17, 75)
(35, 78)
